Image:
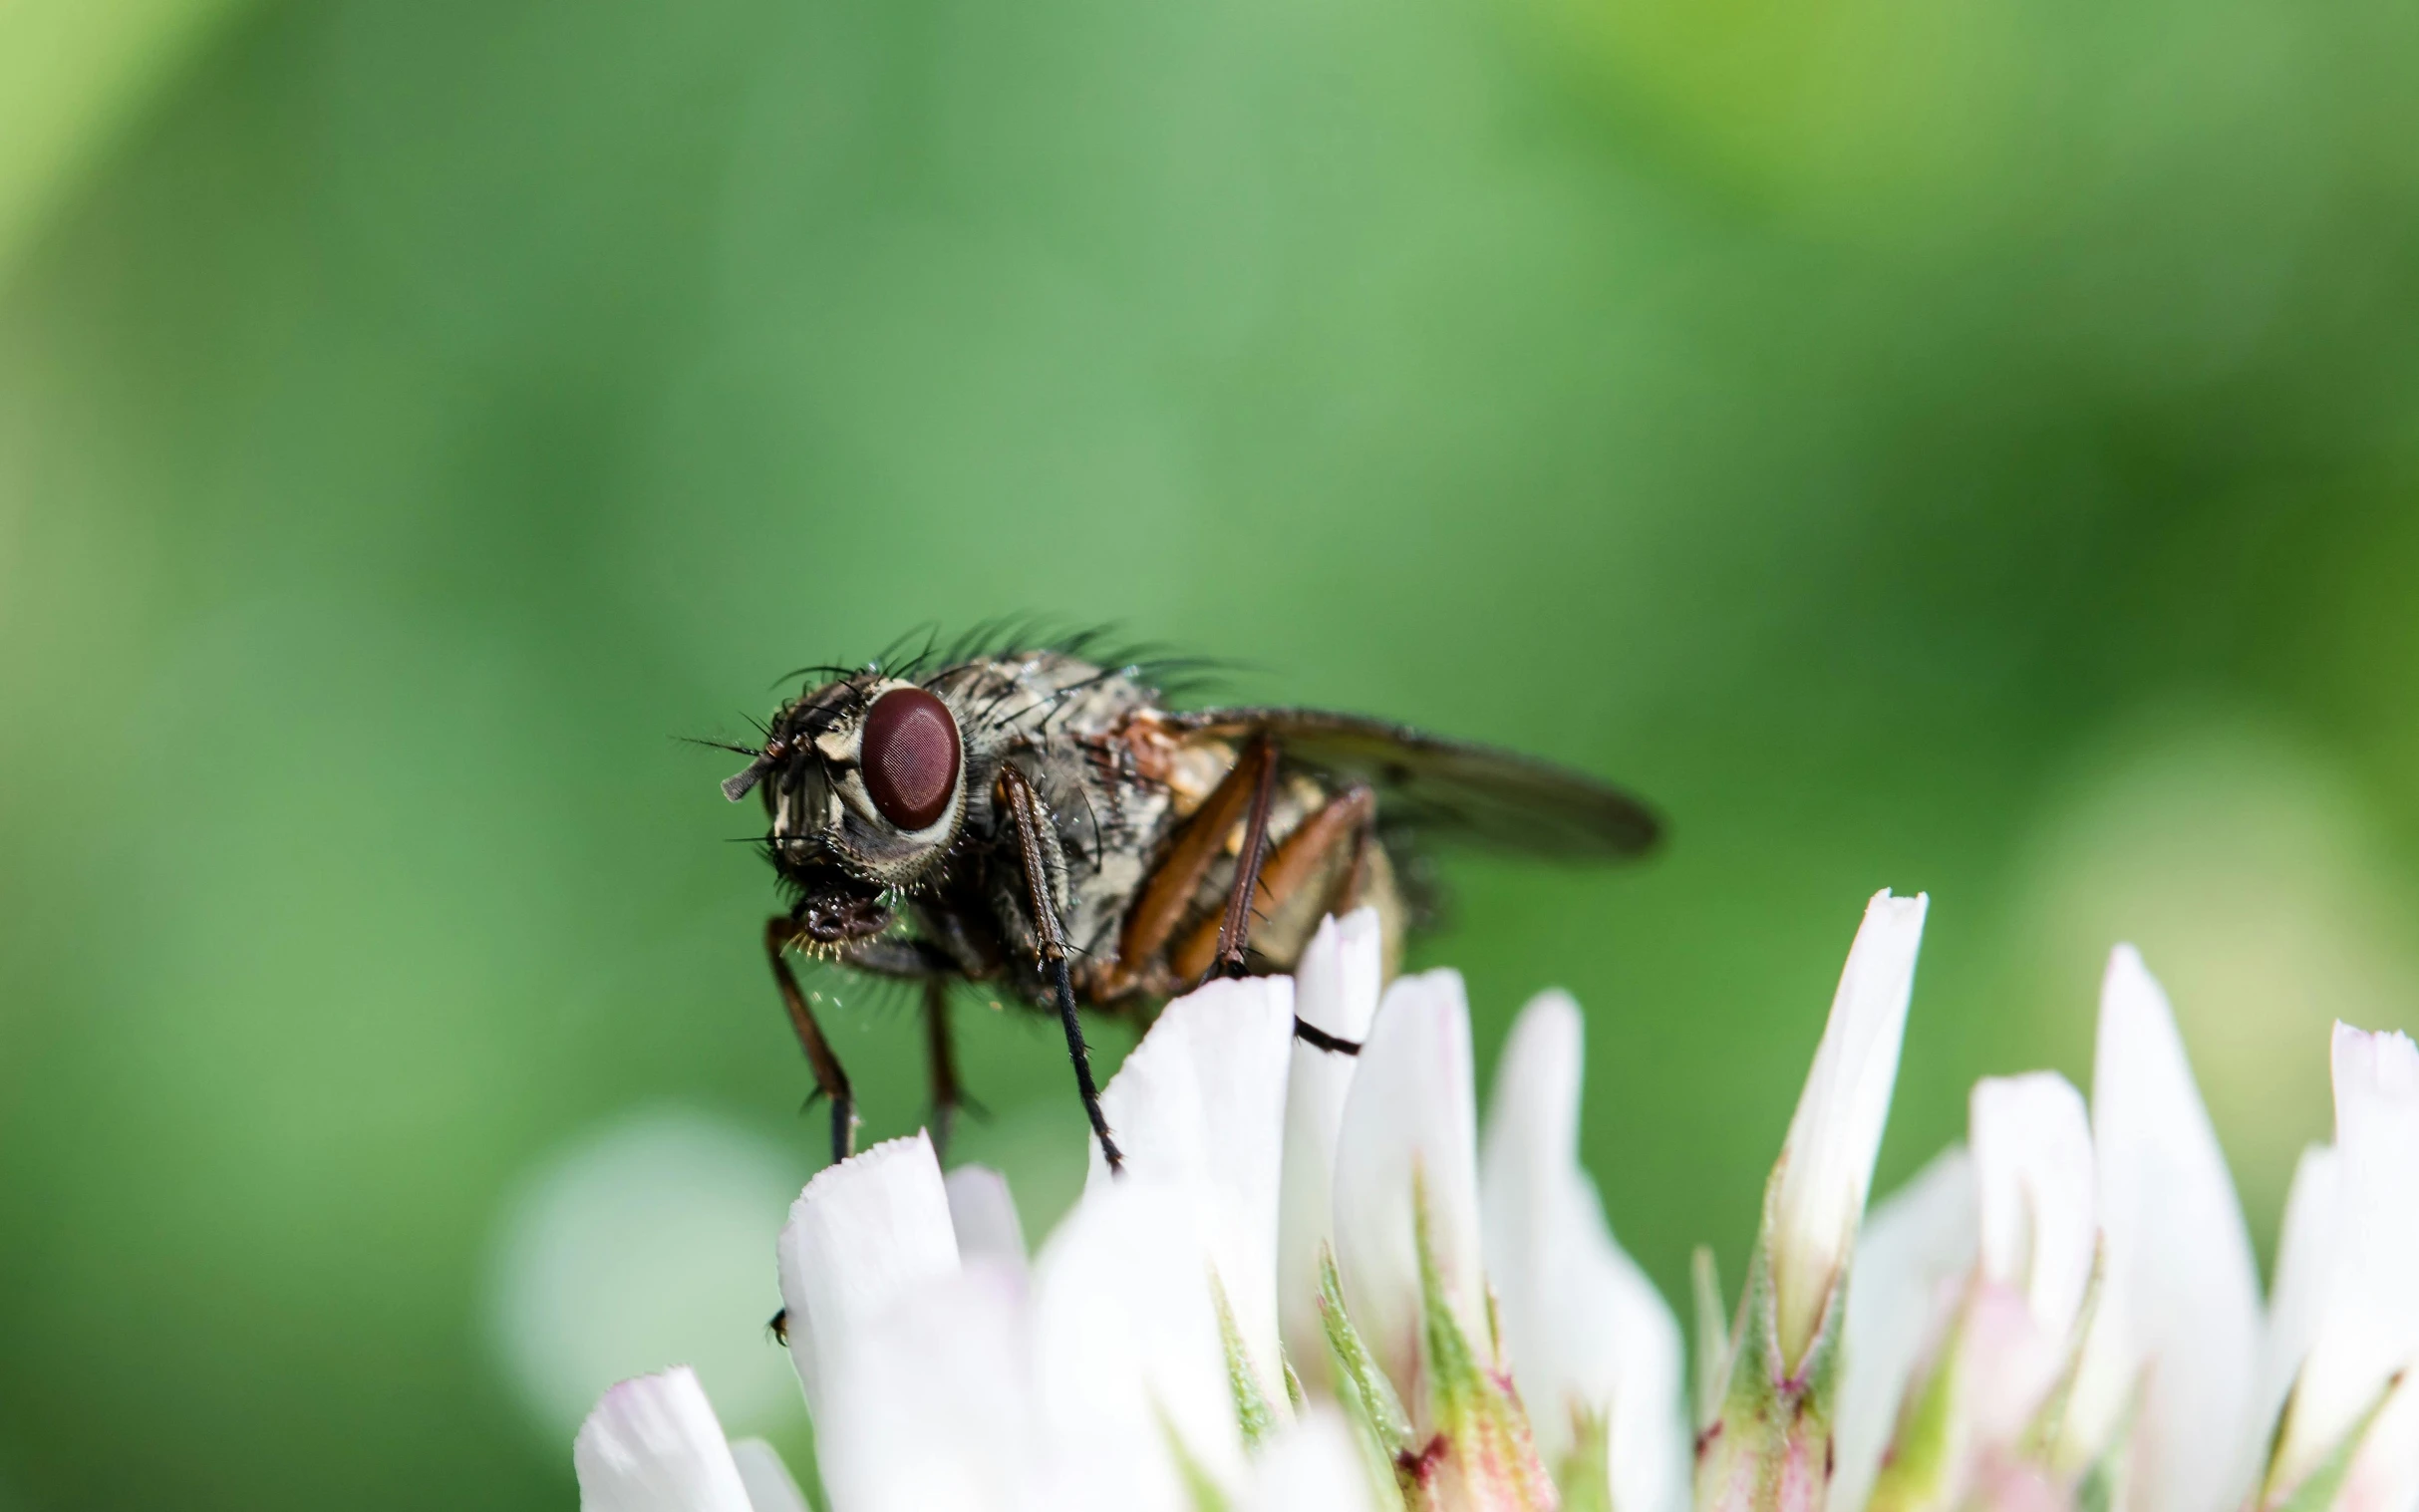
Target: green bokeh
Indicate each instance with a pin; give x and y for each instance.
(1918, 446)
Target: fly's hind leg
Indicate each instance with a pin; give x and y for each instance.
(1169, 894)
(1307, 856)
(1235, 928)
(829, 1081)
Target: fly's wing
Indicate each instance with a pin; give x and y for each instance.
(1449, 790)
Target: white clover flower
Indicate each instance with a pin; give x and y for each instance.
(1315, 1287)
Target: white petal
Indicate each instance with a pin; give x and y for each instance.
(2368, 1324)
(1911, 1262)
(1199, 1108)
(2039, 1231)
(1584, 1329)
(1335, 989)
(653, 1445)
(983, 1216)
(1827, 1162)
(1310, 1467)
(1652, 1451)
(938, 1414)
(2305, 1267)
(1128, 1351)
(860, 1233)
(2179, 1309)
(1410, 1110)
(770, 1488)
(2032, 1164)
(2385, 1475)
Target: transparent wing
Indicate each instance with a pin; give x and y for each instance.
(1452, 789)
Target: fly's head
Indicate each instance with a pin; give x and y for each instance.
(865, 782)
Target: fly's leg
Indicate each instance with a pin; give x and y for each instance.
(1235, 930)
(1169, 892)
(903, 960)
(1024, 812)
(1303, 857)
(941, 1056)
(829, 1081)
(931, 969)
(1205, 954)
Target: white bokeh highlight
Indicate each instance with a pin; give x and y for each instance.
(641, 1243)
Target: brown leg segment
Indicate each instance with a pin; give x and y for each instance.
(1024, 811)
(1169, 892)
(829, 1081)
(1343, 818)
(941, 1056)
(1235, 930)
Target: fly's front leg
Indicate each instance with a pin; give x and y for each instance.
(1024, 810)
(933, 969)
(829, 1081)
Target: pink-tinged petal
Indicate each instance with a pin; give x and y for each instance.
(770, 1487)
(2178, 1318)
(983, 1216)
(1912, 1263)
(653, 1445)
(2032, 1171)
(2368, 1322)
(938, 1414)
(1129, 1361)
(863, 1232)
(2305, 1270)
(1585, 1333)
(1200, 1109)
(1335, 990)
(2014, 1487)
(2032, 1162)
(2039, 1231)
(1410, 1124)
(1312, 1467)
(1827, 1162)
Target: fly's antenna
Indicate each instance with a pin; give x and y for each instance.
(750, 751)
(740, 784)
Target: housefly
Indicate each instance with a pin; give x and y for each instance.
(1042, 822)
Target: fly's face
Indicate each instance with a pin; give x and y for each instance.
(865, 782)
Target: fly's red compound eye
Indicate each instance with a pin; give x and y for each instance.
(910, 757)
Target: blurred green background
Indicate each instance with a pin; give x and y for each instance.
(1920, 442)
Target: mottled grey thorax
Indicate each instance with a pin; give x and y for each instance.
(1063, 717)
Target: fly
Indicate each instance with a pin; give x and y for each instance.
(1042, 823)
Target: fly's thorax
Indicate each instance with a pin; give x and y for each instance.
(1022, 701)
